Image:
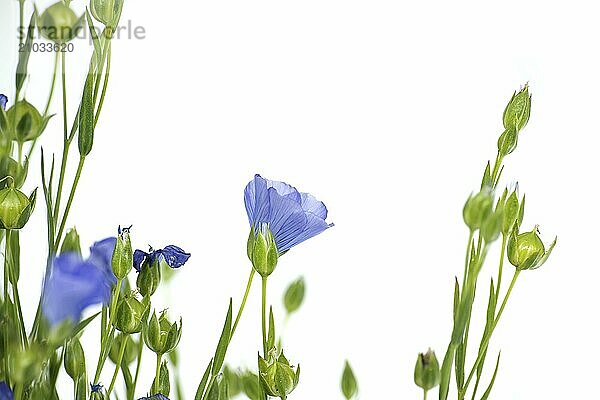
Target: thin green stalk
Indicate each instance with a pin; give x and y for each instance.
(19, 391)
(424, 394)
(241, 309)
(157, 377)
(118, 365)
(66, 142)
(467, 258)
(5, 335)
(500, 266)
(52, 85)
(137, 368)
(105, 85)
(263, 315)
(487, 338)
(69, 201)
(103, 346)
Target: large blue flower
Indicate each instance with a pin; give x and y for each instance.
(3, 102)
(74, 284)
(291, 216)
(5, 392)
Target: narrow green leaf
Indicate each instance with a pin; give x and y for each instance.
(86, 117)
(446, 372)
(24, 55)
(487, 392)
(456, 297)
(223, 342)
(348, 385)
(271, 335)
(203, 381)
(95, 39)
(81, 326)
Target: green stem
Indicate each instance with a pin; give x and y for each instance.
(424, 394)
(66, 142)
(137, 368)
(487, 338)
(6, 328)
(264, 316)
(500, 266)
(241, 309)
(19, 391)
(52, 85)
(118, 365)
(157, 377)
(237, 320)
(467, 258)
(105, 340)
(69, 202)
(105, 85)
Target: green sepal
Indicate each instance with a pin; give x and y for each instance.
(271, 334)
(294, 295)
(86, 116)
(348, 383)
(21, 73)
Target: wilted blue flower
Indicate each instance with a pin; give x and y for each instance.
(155, 397)
(96, 387)
(3, 102)
(174, 256)
(291, 216)
(5, 392)
(74, 284)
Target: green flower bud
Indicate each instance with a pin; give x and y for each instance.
(107, 12)
(122, 259)
(15, 208)
(490, 230)
(162, 336)
(264, 252)
(294, 295)
(277, 376)
(518, 109)
(511, 213)
(25, 122)
(71, 243)
(148, 278)
(427, 371)
(526, 250)
(477, 209)
(233, 379)
(74, 359)
(59, 23)
(251, 386)
(9, 167)
(130, 350)
(348, 384)
(507, 142)
(130, 314)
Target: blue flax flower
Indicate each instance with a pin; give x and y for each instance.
(158, 396)
(291, 216)
(3, 102)
(174, 256)
(5, 392)
(74, 284)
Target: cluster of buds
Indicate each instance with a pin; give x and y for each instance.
(479, 214)
(277, 376)
(262, 250)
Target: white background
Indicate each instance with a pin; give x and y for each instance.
(385, 110)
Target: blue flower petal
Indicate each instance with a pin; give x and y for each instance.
(72, 286)
(3, 102)
(101, 254)
(96, 388)
(139, 257)
(287, 221)
(312, 205)
(174, 256)
(314, 226)
(256, 200)
(5, 392)
(158, 396)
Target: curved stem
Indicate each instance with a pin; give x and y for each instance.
(243, 304)
(104, 344)
(263, 315)
(52, 85)
(500, 266)
(137, 368)
(118, 365)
